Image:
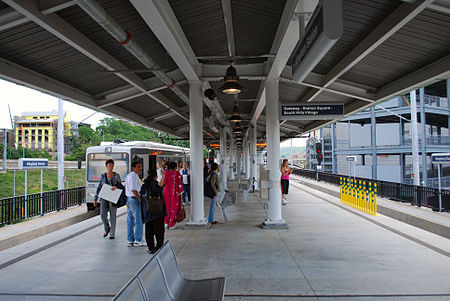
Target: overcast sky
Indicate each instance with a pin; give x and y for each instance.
(22, 99)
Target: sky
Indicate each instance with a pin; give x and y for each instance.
(22, 99)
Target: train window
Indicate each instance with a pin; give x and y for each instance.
(96, 165)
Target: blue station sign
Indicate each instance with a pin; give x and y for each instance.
(440, 158)
(32, 163)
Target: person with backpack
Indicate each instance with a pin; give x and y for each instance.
(113, 179)
(153, 212)
(213, 188)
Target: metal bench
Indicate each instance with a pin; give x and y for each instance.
(160, 279)
(226, 200)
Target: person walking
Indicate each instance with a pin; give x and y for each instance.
(158, 171)
(153, 213)
(185, 175)
(285, 172)
(173, 188)
(113, 179)
(134, 213)
(205, 169)
(213, 178)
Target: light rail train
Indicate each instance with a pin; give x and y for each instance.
(123, 154)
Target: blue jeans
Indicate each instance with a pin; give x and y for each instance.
(212, 209)
(187, 191)
(134, 220)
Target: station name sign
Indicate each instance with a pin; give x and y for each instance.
(311, 111)
(440, 158)
(31, 163)
(322, 32)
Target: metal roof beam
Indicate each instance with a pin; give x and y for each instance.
(394, 22)
(228, 19)
(161, 19)
(29, 78)
(126, 93)
(438, 70)
(286, 38)
(50, 6)
(10, 18)
(64, 31)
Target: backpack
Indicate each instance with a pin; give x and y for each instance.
(208, 191)
(154, 201)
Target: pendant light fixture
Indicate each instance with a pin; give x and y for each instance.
(231, 85)
(237, 129)
(235, 114)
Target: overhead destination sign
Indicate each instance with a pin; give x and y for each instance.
(440, 158)
(322, 33)
(311, 111)
(32, 163)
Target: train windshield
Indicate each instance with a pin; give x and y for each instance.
(96, 165)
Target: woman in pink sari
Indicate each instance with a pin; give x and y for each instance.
(173, 189)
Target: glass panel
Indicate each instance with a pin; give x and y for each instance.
(96, 165)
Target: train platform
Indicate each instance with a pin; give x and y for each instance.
(328, 252)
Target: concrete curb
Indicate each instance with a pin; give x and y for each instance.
(427, 225)
(41, 231)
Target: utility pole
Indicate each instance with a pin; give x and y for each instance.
(60, 145)
(5, 145)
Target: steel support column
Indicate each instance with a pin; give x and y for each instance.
(424, 137)
(415, 138)
(231, 158)
(223, 168)
(60, 144)
(274, 218)
(253, 159)
(196, 142)
(373, 138)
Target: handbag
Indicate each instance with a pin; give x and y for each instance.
(181, 214)
(154, 203)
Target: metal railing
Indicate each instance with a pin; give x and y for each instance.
(416, 195)
(19, 208)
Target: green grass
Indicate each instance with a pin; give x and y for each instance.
(75, 178)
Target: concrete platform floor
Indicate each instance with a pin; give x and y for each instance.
(328, 253)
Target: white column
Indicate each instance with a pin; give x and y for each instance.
(246, 157)
(253, 159)
(196, 152)
(231, 157)
(238, 165)
(60, 144)
(415, 138)
(273, 155)
(223, 165)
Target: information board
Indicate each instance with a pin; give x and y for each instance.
(311, 111)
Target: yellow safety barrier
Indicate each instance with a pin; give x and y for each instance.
(359, 194)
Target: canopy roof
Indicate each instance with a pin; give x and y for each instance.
(387, 48)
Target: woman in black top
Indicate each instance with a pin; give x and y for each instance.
(154, 221)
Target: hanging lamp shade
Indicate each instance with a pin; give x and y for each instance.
(237, 130)
(231, 85)
(235, 115)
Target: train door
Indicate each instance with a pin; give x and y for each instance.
(151, 162)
